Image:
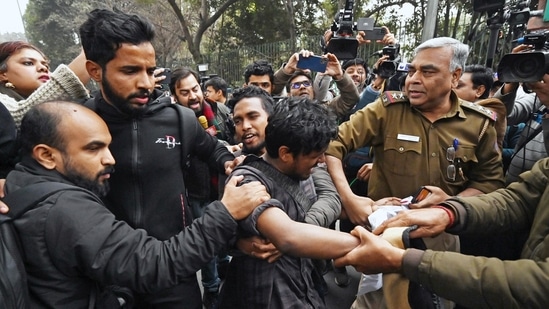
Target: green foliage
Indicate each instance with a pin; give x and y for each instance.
(51, 26)
(227, 35)
(257, 22)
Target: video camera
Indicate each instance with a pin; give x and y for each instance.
(205, 78)
(389, 67)
(527, 66)
(343, 44)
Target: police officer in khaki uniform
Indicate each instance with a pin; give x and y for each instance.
(423, 136)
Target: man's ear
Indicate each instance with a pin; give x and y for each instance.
(480, 90)
(94, 70)
(284, 154)
(46, 156)
(456, 75)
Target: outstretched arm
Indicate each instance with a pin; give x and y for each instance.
(302, 239)
(373, 255)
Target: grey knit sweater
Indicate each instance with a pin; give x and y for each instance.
(63, 84)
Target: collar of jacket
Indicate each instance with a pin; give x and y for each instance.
(157, 101)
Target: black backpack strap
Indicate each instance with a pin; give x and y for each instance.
(527, 140)
(26, 198)
(187, 129)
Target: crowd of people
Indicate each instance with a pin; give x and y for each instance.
(247, 186)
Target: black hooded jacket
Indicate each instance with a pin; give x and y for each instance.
(72, 244)
(147, 189)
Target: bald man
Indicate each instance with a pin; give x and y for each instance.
(77, 245)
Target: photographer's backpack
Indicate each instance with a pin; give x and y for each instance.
(13, 279)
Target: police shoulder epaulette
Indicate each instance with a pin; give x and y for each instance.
(390, 97)
(479, 109)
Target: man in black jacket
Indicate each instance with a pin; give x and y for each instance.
(73, 245)
(148, 191)
(202, 179)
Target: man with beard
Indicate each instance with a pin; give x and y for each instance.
(251, 109)
(203, 180)
(148, 191)
(296, 137)
(185, 89)
(74, 246)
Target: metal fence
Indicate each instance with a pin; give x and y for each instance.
(230, 64)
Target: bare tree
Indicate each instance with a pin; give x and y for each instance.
(205, 20)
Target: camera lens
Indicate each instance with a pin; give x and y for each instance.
(387, 69)
(524, 67)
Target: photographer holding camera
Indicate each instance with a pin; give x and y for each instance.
(530, 108)
(357, 68)
(300, 82)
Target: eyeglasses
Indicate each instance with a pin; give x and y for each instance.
(297, 85)
(451, 156)
(455, 163)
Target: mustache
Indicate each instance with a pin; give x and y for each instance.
(107, 170)
(140, 94)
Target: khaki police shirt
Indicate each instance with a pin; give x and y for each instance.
(410, 151)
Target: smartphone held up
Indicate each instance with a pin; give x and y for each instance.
(313, 63)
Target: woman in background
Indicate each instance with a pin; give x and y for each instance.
(25, 81)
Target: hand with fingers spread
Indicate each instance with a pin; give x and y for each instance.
(430, 221)
(241, 200)
(159, 77)
(291, 66)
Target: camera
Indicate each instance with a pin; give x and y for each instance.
(205, 78)
(389, 67)
(529, 65)
(343, 44)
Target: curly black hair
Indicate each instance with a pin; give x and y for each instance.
(259, 68)
(301, 124)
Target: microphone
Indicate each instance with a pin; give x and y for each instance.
(203, 121)
(378, 53)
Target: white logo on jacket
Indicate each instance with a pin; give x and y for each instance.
(169, 141)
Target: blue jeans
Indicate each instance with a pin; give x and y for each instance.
(210, 277)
